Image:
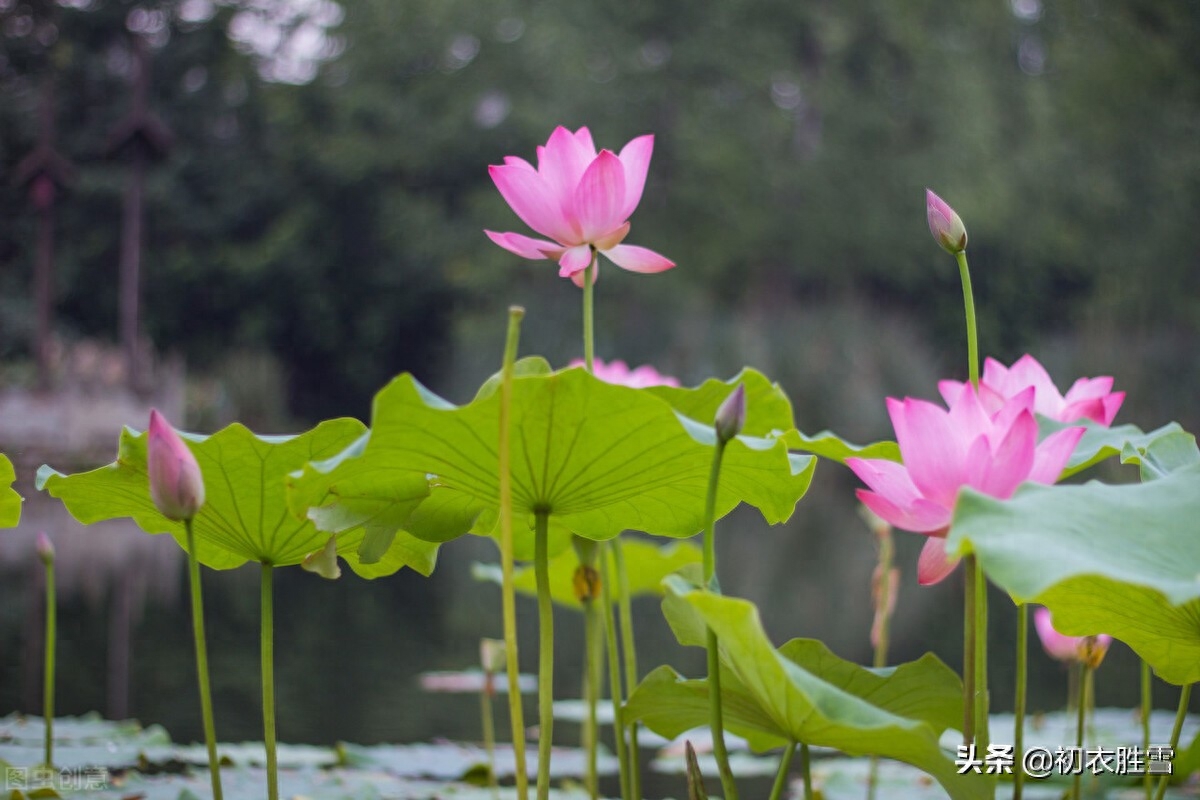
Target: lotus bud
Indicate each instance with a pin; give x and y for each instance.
(1093, 649)
(324, 562)
(176, 485)
(731, 416)
(586, 582)
(492, 655)
(45, 548)
(945, 225)
(1087, 650)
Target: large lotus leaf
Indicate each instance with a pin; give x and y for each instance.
(1123, 560)
(1163, 455)
(646, 566)
(1100, 442)
(828, 444)
(245, 516)
(598, 458)
(803, 693)
(768, 409)
(10, 501)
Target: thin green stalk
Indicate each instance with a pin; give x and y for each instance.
(489, 731)
(715, 716)
(1019, 697)
(1147, 708)
(589, 336)
(625, 755)
(981, 683)
(968, 650)
(593, 666)
(781, 777)
(206, 711)
(516, 712)
(883, 592)
(629, 651)
(964, 273)
(806, 771)
(1185, 696)
(48, 663)
(268, 678)
(1077, 785)
(541, 567)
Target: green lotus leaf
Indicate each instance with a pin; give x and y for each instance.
(1163, 455)
(245, 516)
(598, 458)
(768, 409)
(1100, 442)
(802, 692)
(1122, 560)
(646, 565)
(827, 444)
(10, 501)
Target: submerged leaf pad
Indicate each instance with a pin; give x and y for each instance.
(1123, 560)
(245, 516)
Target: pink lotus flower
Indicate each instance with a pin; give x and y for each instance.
(945, 225)
(579, 199)
(176, 485)
(1088, 650)
(1088, 398)
(619, 373)
(944, 451)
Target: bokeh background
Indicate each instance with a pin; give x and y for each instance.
(313, 197)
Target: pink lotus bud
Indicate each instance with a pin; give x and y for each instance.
(45, 548)
(731, 416)
(176, 485)
(1089, 650)
(946, 226)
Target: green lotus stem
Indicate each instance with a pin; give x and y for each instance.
(981, 684)
(806, 771)
(715, 717)
(589, 336)
(781, 777)
(268, 678)
(541, 566)
(625, 756)
(629, 650)
(969, 650)
(48, 662)
(884, 589)
(489, 732)
(593, 666)
(1185, 696)
(1019, 698)
(964, 273)
(1147, 708)
(516, 713)
(1086, 678)
(206, 711)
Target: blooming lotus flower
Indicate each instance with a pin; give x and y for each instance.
(1088, 398)
(1087, 650)
(619, 373)
(176, 485)
(945, 225)
(944, 451)
(581, 200)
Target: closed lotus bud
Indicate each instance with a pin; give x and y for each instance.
(1093, 649)
(586, 582)
(492, 655)
(731, 416)
(45, 548)
(945, 225)
(1088, 650)
(176, 485)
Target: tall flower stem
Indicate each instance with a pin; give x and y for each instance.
(629, 650)
(589, 336)
(541, 567)
(206, 711)
(1147, 708)
(969, 649)
(1185, 696)
(716, 722)
(981, 683)
(1019, 697)
(268, 677)
(48, 662)
(779, 789)
(516, 713)
(625, 756)
(1085, 679)
(593, 632)
(964, 273)
(806, 771)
